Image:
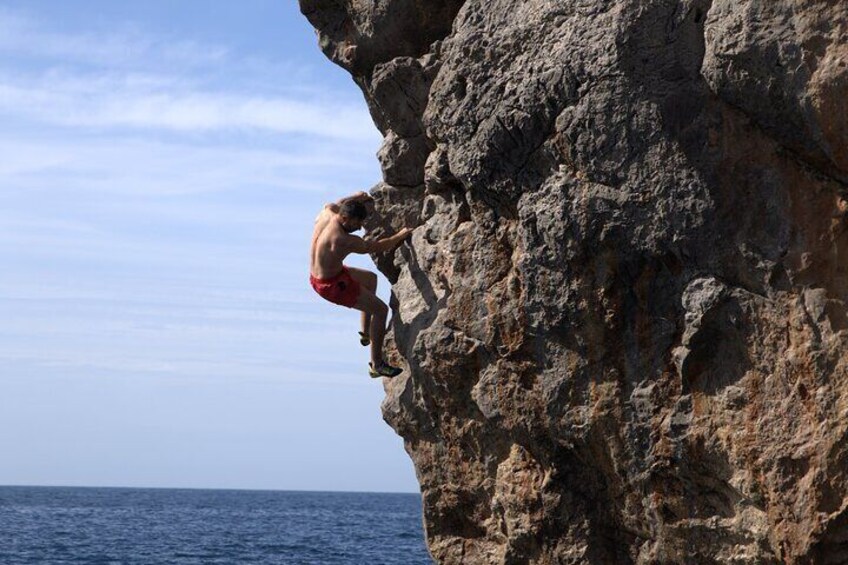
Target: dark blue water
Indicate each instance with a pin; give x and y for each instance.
(148, 526)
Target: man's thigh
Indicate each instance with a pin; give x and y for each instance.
(364, 277)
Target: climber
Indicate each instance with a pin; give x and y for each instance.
(347, 286)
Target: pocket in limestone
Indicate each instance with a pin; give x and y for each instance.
(713, 353)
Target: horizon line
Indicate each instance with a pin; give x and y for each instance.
(237, 489)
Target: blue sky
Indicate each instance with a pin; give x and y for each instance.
(161, 164)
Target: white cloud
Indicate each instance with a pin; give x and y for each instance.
(125, 78)
(156, 102)
(127, 45)
(150, 167)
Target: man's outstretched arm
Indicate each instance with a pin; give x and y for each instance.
(358, 245)
(358, 197)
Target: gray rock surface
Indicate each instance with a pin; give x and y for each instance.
(623, 311)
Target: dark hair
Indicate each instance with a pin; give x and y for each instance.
(354, 210)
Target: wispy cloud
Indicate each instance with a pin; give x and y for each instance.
(132, 165)
(98, 118)
(127, 45)
(129, 78)
(161, 102)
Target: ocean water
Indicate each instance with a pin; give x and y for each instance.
(47, 525)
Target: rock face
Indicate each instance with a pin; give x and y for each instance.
(623, 311)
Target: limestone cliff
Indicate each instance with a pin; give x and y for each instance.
(623, 312)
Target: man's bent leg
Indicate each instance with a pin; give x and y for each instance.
(369, 304)
(368, 280)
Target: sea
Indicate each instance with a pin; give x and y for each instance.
(47, 525)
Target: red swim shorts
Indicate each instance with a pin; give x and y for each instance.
(341, 289)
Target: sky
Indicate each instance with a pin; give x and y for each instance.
(161, 165)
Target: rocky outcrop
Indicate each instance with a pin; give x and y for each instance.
(623, 311)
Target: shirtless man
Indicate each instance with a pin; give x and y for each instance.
(348, 286)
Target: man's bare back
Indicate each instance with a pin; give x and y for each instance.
(326, 257)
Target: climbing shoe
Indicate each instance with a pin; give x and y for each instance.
(364, 339)
(384, 370)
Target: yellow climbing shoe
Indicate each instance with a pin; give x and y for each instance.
(383, 370)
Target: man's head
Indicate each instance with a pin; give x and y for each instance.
(353, 214)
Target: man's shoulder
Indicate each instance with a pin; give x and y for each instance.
(325, 214)
(328, 226)
(333, 233)
(343, 237)
(347, 243)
